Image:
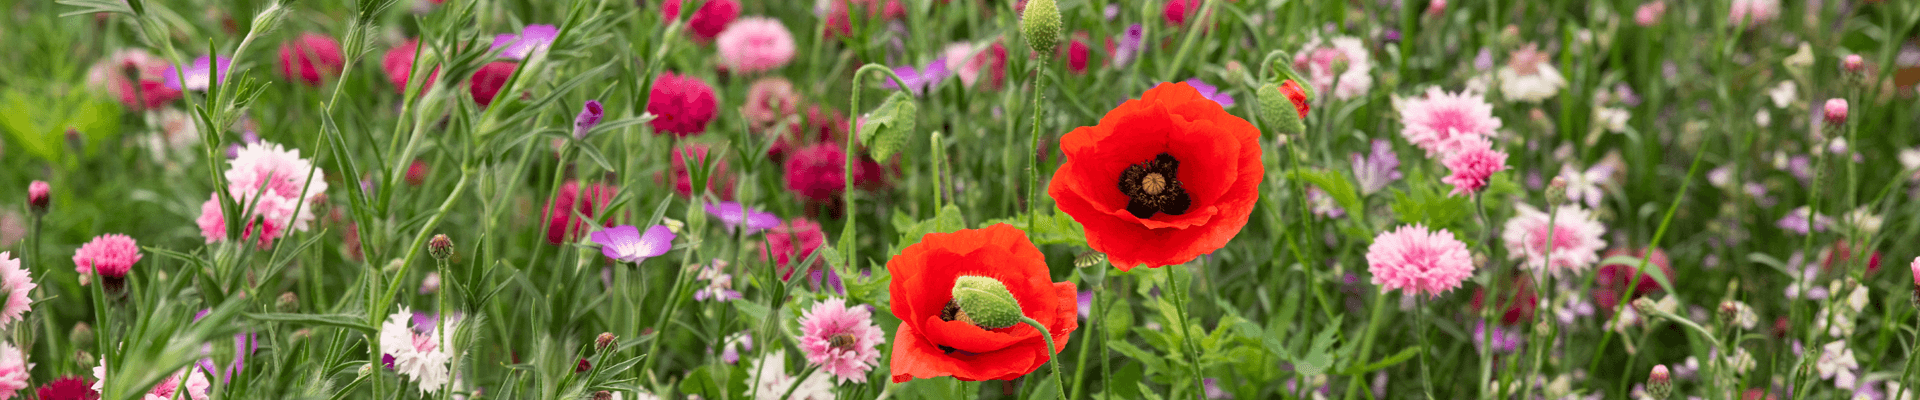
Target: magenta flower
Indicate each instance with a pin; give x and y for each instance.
(589, 117)
(841, 340)
(755, 44)
(38, 194)
(735, 215)
(682, 105)
(198, 75)
(1374, 172)
(17, 283)
(533, 38)
(919, 80)
(1472, 164)
(1417, 261)
(1210, 92)
(111, 254)
(625, 243)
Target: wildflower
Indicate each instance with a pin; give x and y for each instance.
(1802, 221)
(1437, 120)
(818, 172)
(791, 243)
(1835, 111)
(17, 283)
(919, 80)
(134, 77)
(1415, 260)
(1650, 13)
(590, 114)
(1529, 77)
(1077, 55)
(1340, 59)
(13, 372)
(770, 100)
(626, 243)
(681, 105)
(1853, 64)
(719, 181)
(1177, 12)
(1576, 239)
(420, 357)
(486, 82)
(733, 345)
(1128, 46)
(1784, 94)
(1211, 93)
(1836, 362)
(1472, 164)
(771, 382)
(1612, 281)
(1323, 204)
(713, 18)
(531, 39)
(1739, 314)
(755, 44)
(719, 284)
(735, 215)
(1375, 171)
(589, 201)
(1659, 382)
(39, 196)
(66, 388)
(1584, 186)
(842, 340)
(969, 61)
(1752, 12)
(931, 321)
(310, 58)
(398, 65)
(273, 186)
(112, 255)
(1614, 119)
(1863, 220)
(1505, 341)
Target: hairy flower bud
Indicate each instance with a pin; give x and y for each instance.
(1275, 102)
(1836, 111)
(37, 197)
(440, 247)
(289, 303)
(1659, 383)
(604, 341)
(603, 395)
(1041, 25)
(1557, 192)
(582, 366)
(82, 336)
(985, 302)
(1853, 64)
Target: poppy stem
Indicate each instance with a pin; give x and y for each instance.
(1033, 150)
(1053, 354)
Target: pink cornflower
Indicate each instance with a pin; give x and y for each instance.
(769, 100)
(277, 186)
(1576, 239)
(134, 77)
(1435, 120)
(112, 254)
(712, 18)
(1835, 111)
(13, 372)
(681, 105)
(310, 58)
(1650, 13)
(1752, 12)
(791, 243)
(841, 340)
(968, 61)
(1472, 163)
(1417, 261)
(755, 44)
(1342, 59)
(17, 284)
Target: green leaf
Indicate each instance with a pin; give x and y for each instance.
(1335, 184)
(1051, 228)
(1427, 204)
(947, 220)
(1396, 358)
(885, 130)
(334, 320)
(1153, 362)
(1318, 358)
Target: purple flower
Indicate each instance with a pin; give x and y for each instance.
(736, 343)
(1796, 221)
(734, 214)
(1374, 172)
(919, 80)
(1086, 304)
(198, 74)
(1504, 341)
(590, 114)
(1211, 93)
(1112, 11)
(1128, 46)
(1484, 60)
(531, 39)
(719, 284)
(1212, 389)
(625, 243)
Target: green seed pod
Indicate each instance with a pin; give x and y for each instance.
(985, 302)
(1041, 25)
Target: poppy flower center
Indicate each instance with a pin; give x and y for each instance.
(1153, 187)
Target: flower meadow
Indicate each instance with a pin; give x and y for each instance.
(947, 199)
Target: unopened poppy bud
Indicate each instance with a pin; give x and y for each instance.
(1853, 64)
(589, 117)
(984, 302)
(604, 341)
(1659, 382)
(1041, 25)
(440, 247)
(1836, 112)
(603, 395)
(1277, 100)
(38, 196)
(82, 336)
(289, 302)
(1557, 192)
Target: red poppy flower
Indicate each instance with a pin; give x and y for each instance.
(310, 58)
(1161, 180)
(933, 342)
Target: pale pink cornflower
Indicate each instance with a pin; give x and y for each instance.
(275, 183)
(1753, 12)
(1472, 163)
(755, 44)
(1576, 238)
(1529, 76)
(17, 283)
(841, 340)
(1341, 61)
(1650, 13)
(420, 357)
(13, 372)
(112, 254)
(1417, 261)
(1435, 120)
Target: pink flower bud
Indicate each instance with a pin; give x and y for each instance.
(37, 197)
(1437, 7)
(1853, 64)
(1836, 111)
(1659, 384)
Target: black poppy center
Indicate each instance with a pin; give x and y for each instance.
(1153, 186)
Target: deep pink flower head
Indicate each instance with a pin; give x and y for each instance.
(1433, 121)
(1077, 56)
(720, 182)
(1835, 111)
(1650, 13)
(589, 117)
(670, 10)
(968, 64)
(488, 81)
(1417, 261)
(1576, 239)
(712, 18)
(842, 340)
(1472, 164)
(818, 172)
(681, 105)
(112, 254)
(39, 195)
(1178, 11)
(134, 77)
(755, 44)
(1853, 64)
(67, 388)
(310, 58)
(1916, 272)
(769, 100)
(16, 283)
(590, 201)
(398, 64)
(1613, 279)
(791, 243)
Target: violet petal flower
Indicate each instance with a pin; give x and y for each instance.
(919, 80)
(589, 117)
(1374, 172)
(198, 75)
(625, 243)
(531, 39)
(1211, 93)
(1129, 45)
(734, 214)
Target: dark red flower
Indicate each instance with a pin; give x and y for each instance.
(1077, 56)
(1613, 279)
(791, 243)
(398, 64)
(144, 95)
(67, 388)
(681, 105)
(1162, 179)
(932, 341)
(561, 226)
(310, 59)
(712, 17)
(1517, 300)
(417, 173)
(1841, 253)
(817, 172)
(720, 183)
(487, 81)
(1295, 95)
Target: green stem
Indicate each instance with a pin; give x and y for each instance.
(811, 368)
(1186, 331)
(1033, 150)
(1087, 337)
(1053, 357)
(1420, 313)
(1366, 340)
